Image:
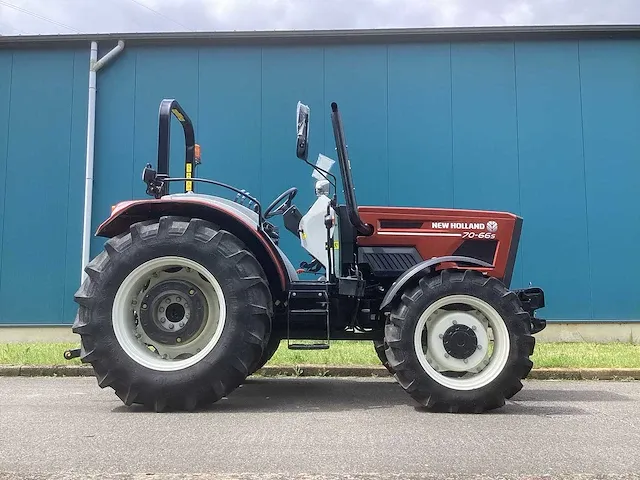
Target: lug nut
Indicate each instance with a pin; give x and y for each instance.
(473, 327)
(178, 299)
(178, 340)
(446, 355)
(479, 347)
(168, 300)
(181, 324)
(466, 361)
(134, 302)
(171, 326)
(455, 322)
(162, 319)
(192, 292)
(441, 336)
(161, 309)
(144, 306)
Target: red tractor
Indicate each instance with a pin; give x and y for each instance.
(192, 293)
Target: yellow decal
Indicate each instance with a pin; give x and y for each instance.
(303, 235)
(336, 245)
(178, 115)
(188, 185)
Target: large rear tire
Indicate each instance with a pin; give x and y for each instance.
(439, 338)
(269, 351)
(173, 313)
(380, 347)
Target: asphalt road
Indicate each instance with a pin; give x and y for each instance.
(291, 428)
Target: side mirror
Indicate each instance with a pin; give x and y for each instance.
(302, 140)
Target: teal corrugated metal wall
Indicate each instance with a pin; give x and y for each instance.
(547, 130)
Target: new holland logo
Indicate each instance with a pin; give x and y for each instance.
(457, 226)
(490, 226)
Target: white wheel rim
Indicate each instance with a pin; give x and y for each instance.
(482, 366)
(132, 336)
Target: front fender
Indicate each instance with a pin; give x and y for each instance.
(418, 269)
(235, 218)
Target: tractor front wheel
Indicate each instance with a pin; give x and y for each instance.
(173, 313)
(459, 341)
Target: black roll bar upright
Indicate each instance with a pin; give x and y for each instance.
(169, 107)
(345, 167)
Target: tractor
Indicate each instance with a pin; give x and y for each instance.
(192, 292)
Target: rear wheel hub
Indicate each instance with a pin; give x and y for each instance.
(173, 311)
(460, 341)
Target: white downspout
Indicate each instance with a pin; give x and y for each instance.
(94, 66)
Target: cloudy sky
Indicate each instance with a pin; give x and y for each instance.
(88, 16)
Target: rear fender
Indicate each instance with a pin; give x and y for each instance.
(421, 267)
(236, 219)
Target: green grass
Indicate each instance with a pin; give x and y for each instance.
(567, 355)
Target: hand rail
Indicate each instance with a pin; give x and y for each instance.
(169, 107)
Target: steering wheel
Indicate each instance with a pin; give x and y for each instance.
(289, 194)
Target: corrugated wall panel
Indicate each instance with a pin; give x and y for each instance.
(419, 123)
(230, 121)
(610, 74)
(356, 78)
(75, 203)
(37, 188)
(6, 67)
(552, 190)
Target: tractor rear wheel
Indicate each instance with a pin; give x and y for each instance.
(459, 341)
(269, 351)
(173, 313)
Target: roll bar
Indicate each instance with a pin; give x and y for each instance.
(169, 107)
(347, 181)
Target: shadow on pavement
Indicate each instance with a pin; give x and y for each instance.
(260, 394)
(567, 395)
(306, 395)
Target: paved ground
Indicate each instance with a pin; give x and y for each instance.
(294, 428)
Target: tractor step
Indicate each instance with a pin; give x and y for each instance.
(308, 346)
(305, 301)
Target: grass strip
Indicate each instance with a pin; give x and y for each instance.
(547, 355)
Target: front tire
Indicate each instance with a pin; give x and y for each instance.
(173, 313)
(439, 338)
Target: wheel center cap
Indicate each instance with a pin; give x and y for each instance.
(460, 341)
(175, 312)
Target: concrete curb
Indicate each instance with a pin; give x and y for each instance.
(334, 371)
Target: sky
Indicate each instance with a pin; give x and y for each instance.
(102, 16)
